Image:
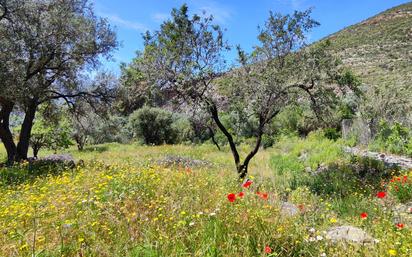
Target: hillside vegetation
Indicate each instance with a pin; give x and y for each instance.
(379, 49)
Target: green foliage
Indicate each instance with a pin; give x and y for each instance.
(183, 129)
(401, 188)
(332, 133)
(394, 138)
(268, 141)
(158, 126)
(114, 128)
(46, 134)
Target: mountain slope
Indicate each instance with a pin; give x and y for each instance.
(379, 49)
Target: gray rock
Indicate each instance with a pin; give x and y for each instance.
(303, 156)
(387, 159)
(289, 209)
(402, 213)
(58, 158)
(65, 160)
(349, 234)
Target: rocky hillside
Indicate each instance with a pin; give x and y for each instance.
(379, 49)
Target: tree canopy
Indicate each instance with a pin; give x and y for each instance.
(186, 57)
(47, 49)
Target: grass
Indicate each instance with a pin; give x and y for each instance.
(122, 203)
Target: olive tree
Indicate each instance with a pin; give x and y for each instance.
(46, 49)
(186, 55)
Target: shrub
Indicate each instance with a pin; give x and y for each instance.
(394, 138)
(401, 188)
(332, 134)
(153, 125)
(183, 129)
(48, 135)
(267, 141)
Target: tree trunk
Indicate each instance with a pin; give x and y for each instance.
(36, 150)
(243, 169)
(212, 134)
(80, 141)
(215, 117)
(25, 133)
(5, 134)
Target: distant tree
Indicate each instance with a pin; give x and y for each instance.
(46, 47)
(153, 125)
(185, 56)
(46, 134)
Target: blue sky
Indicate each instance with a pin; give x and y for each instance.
(240, 18)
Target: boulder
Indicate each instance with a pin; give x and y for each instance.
(65, 160)
(402, 213)
(348, 234)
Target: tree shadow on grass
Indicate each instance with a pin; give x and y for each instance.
(28, 172)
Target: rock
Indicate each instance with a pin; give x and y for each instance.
(390, 161)
(402, 213)
(66, 160)
(303, 156)
(348, 233)
(308, 169)
(289, 209)
(59, 158)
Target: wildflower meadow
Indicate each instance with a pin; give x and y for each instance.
(111, 206)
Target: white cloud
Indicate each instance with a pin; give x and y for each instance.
(117, 20)
(160, 17)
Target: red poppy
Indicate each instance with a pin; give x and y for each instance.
(301, 207)
(363, 215)
(247, 184)
(241, 194)
(392, 180)
(400, 225)
(396, 188)
(405, 178)
(264, 196)
(381, 194)
(268, 249)
(231, 197)
(398, 179)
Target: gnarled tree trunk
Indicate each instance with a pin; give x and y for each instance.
(5, 134)
(242, 168)
(25, 132)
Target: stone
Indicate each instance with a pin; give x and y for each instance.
(348, 234)
(303, 156)
(289, 209)
(65, 160)
(402, 213)
(390, 161)
(58, 158)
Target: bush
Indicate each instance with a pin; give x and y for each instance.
(153, 126)
(49, 135)
(332, 134)
(183, 129)
(394, 138)
(267, 141)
